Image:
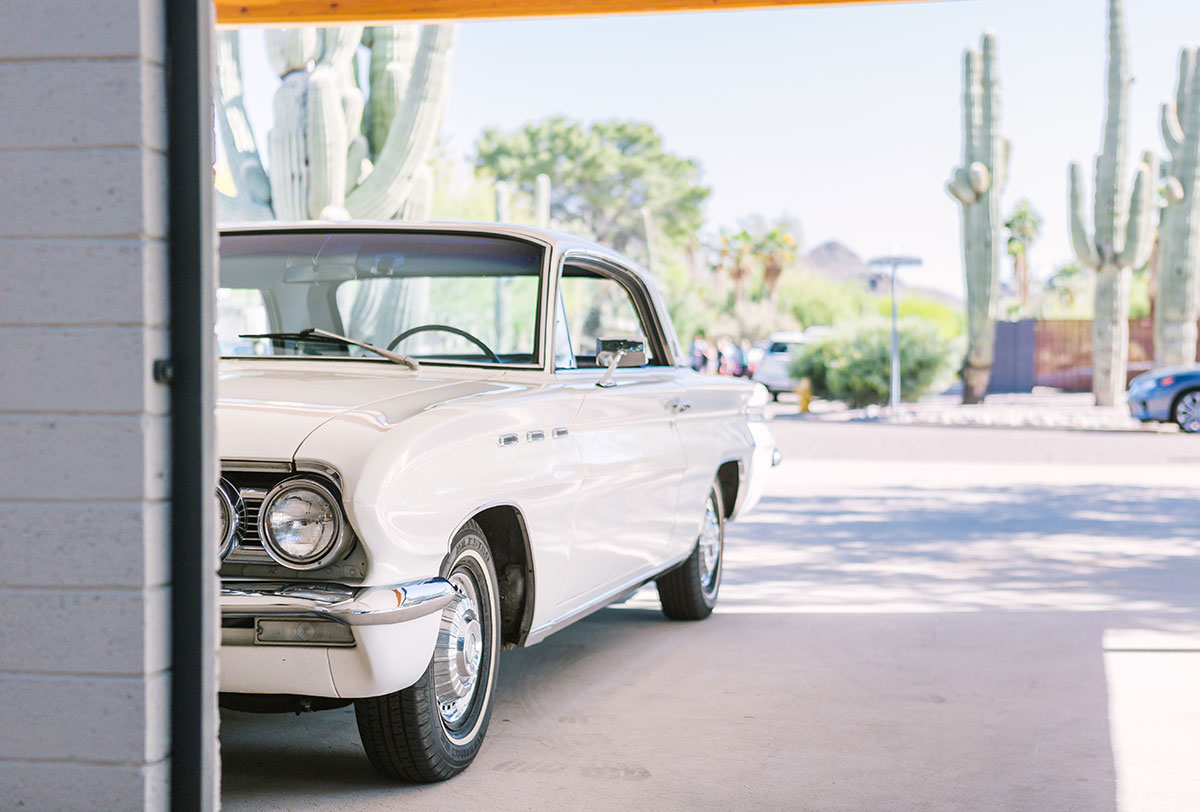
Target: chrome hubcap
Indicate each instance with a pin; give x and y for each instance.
(1188, 412)
(459, 651)
(710, 547)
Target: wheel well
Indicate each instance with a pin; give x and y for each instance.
(1174, 414)
(508, 539)
(729, 478)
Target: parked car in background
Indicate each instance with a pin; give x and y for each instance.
(1169, 395)
(773, 370)
(440, 441)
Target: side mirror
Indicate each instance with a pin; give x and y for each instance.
(619, 352)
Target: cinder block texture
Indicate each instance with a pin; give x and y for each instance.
(114, 721)
(83, 282)
(102, 29)
(56, 786)
(85, 544)
(115, 632)
(66, 457)
(83, 193)
(83, 103)
(69, 370)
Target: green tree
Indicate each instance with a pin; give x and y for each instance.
(601, 177)
(1024, 226)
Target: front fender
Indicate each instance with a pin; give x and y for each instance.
(410, 486)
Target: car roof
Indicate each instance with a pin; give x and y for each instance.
(787, 337)
(558, 240)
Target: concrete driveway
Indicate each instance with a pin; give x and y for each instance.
(914, 619)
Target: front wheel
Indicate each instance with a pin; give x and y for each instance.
(689, 592)
(1187, 411)
(432, 730)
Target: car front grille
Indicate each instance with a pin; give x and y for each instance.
(247, 543)
(246, 557)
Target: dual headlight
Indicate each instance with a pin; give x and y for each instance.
(300, 524)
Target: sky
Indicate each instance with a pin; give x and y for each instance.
(846, 117)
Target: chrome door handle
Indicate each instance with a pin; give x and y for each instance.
(676, 406)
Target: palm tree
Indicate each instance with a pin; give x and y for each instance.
(776, 249)
(737, 260)
(1024, 226)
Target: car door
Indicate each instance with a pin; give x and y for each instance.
(633, 459)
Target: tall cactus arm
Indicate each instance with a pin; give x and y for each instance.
(1111, 212)
(236, 136)
(1189, 80)
(393, 49)
(1139, 239)
(1172, 133)
(326, 135)
(1085, 250)
(286, 141)
(413, 131)
(972, 104)
(1001, 173)
(337, 46)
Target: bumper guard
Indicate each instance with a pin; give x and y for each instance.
(352, 606)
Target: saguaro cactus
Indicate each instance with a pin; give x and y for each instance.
(1176, 304)
(977, 185)
(325, 162)
(1124, 231)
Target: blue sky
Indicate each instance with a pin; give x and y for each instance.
(847, 117)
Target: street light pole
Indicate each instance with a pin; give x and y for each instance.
(895, 262)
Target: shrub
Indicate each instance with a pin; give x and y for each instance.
(854, 363)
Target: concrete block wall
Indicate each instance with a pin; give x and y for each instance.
(84, 431)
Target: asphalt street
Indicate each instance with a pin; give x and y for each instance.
(914, 618)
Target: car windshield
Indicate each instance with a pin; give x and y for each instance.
(439, 298)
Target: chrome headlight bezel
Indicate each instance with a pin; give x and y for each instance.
(231, 518)
(340, 540)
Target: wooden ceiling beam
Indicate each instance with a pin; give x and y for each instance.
(235, 13)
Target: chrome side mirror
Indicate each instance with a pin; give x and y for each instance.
(618, 352)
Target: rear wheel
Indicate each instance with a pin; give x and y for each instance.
(1186, 411)
(432, 730)
(689, 592)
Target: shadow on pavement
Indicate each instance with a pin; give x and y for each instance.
(908, 548)
(625, 710)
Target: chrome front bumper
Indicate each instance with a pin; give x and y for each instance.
(352, 606)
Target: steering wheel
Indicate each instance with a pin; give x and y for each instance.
(445, 328)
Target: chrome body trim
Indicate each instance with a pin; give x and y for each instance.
(562, 621)
(257, 466)
(352, 606)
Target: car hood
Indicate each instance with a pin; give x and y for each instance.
(1191, 370)
(266, 409)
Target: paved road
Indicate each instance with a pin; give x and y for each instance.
(914, 619)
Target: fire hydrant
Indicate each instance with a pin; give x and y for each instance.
(803, 392)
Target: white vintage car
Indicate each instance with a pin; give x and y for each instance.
(440, 441)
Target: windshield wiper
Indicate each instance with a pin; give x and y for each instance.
(316, 334)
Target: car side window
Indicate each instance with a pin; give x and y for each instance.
(597, 307)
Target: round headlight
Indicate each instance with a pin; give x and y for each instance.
(301, 525)
(227, 519)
